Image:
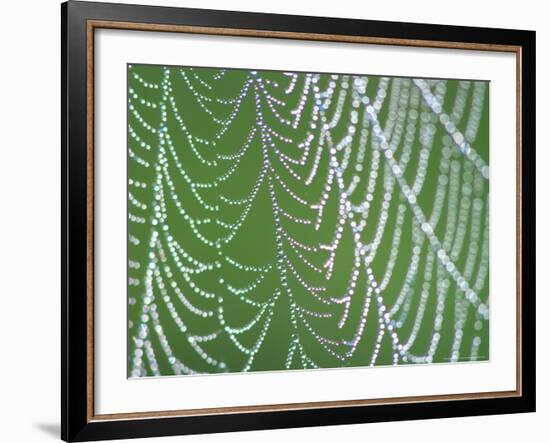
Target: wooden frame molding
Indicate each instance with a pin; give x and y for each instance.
(80, 20)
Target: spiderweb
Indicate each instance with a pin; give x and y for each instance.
(281, 220)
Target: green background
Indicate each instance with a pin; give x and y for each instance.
(197, 93)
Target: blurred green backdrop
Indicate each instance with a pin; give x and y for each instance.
(282, 220)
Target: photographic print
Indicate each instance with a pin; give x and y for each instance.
(295, 220)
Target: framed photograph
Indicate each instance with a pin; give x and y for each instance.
(275, 221)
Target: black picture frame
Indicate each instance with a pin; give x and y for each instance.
(77, 424)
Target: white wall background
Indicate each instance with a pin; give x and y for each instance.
(30, 222)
